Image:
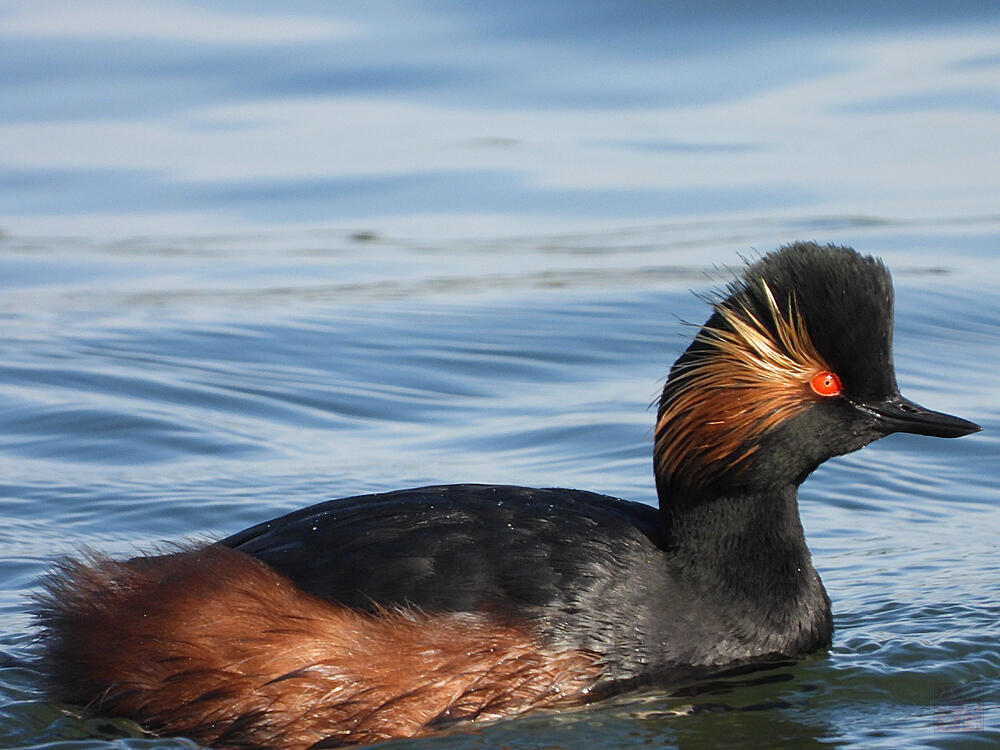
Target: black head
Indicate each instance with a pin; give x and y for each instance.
(793, 367)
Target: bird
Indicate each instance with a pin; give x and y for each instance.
(402, 613)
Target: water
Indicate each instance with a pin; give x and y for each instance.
(256, 259)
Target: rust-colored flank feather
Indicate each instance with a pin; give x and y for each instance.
(213, 645)
(752, 377)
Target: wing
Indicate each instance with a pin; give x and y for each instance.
(458, 547)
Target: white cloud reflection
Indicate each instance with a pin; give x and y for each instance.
(893, 126)
(173, 22)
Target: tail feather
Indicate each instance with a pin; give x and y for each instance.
(211, 644)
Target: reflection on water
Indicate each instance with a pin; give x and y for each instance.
(479, 119)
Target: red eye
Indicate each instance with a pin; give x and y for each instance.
(825, 383)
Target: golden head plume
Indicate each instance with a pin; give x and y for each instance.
(748, 376)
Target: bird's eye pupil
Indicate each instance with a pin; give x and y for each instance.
(825, 383)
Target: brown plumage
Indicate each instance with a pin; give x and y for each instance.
(213, 645)
(756, 376)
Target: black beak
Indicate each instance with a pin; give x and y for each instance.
(898, 414)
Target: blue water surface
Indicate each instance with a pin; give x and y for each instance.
(260, 256)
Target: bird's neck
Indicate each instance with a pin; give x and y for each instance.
(747, 553)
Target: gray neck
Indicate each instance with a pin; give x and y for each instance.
(746, 560)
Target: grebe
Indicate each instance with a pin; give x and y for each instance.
(389, 615)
